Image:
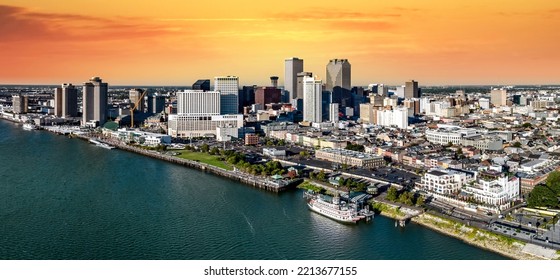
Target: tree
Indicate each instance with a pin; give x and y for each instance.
(321, 176)
(392, 194)
(355, 147)
(543, 195)
(214, 151)
(553, 181)
(204, 148)
(406, 198)
(527, 125)
(420, 201)
(516, 145)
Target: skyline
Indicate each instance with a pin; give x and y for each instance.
(503, 42)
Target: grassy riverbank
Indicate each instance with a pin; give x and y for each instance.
(204, 158)
(498, 243)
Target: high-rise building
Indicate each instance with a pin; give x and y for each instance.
(413, 106)
(247, 96)
(333, 112)
(201, 85)
(156, 103)
(397, 117)
(94, 101)
(134, 96)
(267, 95)
(66, 101)
(198, 114)
(229, 92)
(382, 90)
(312, 99)
(411, 89)
(338, 74)
(299, 88)
(292, 67)
(274, 81)
(198, 103)
(368, 113)
(339, 83)
(498, 97)
(19, 104)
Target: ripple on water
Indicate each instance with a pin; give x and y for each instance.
(65, 199)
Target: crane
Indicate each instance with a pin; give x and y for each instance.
(135, 106)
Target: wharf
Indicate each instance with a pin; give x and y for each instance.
(255, 181)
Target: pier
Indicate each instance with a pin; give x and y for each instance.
(255, 181)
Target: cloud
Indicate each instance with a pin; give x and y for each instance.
(21, 24)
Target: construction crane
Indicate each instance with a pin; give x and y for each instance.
(135, 106)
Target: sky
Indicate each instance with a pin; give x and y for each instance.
(176, 42)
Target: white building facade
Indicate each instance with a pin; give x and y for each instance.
(312, 99)
(397, 117)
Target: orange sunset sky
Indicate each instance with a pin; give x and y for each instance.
(175, 42)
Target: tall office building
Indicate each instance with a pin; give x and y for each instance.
(498, 97)
(312, 99)
(413, 106)
(19, 104)
(198, 114)
(397, 117)
(156, 103)
(66, 101)
(368, 113)
(198, 103)
(333, 112)
(267, 95)
(134, 97)
(339, 83)
(299, 80)
(229, 93)
(247, 96)
(201, 85)
(292, 66)
(338, 74)
(94, 101)
(411, 89)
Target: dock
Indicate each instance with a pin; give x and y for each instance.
(248, 179)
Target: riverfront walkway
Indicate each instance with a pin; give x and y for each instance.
(252, 180)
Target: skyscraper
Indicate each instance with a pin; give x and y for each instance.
(94, 101)
(134, 97)
(229, 92)
(299, 81)
(339, 83)
(312, 99)
(201, 85)
(198, 103)
(156, 103)
(19, 104)
(267, 95)
(293, 66)
(333, 112)
(338, 74)
(198, 114)
(66, 101)
(498, 97)
(411, 89)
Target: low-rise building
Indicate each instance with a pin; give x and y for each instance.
(351, 158)
(493, 188)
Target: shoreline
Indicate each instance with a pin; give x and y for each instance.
(481, 239)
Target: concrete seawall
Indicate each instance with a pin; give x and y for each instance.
(248, 179)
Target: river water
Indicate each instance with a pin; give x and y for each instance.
(63, 198)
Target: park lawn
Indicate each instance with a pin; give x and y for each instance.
(204, 158)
